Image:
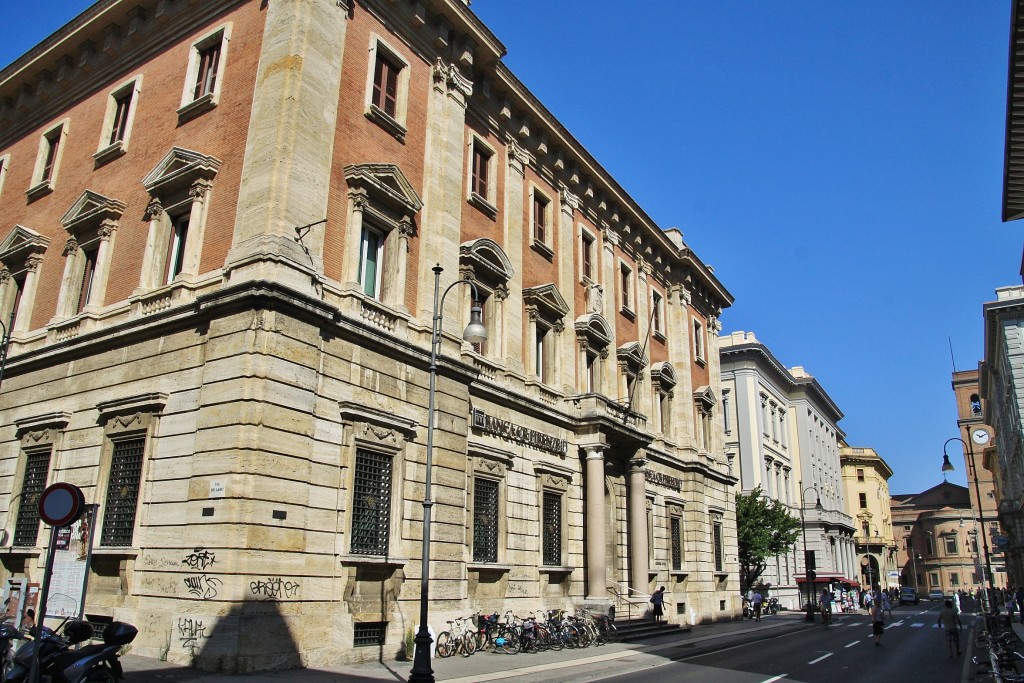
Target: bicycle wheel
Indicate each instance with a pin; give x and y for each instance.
(444, 647)
(467, 644)
(571, 635)
(512, 640)
(555, 641)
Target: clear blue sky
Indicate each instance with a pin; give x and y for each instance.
(838, 163)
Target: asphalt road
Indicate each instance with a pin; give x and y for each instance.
(913, 649)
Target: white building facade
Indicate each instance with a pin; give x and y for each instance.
(781, 434)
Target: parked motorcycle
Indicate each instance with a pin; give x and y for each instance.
(7, 634)
(58, 663)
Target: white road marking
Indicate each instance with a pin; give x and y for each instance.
(857, 624)
(777, 678)
(916, 625)
(898, 623)
(825, 656)
(852, 644)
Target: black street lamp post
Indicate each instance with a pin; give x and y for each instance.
(475, 333)
(809, 573)
(947, 466)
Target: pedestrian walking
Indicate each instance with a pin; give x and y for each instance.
(825, 605)
(1011, 607)
(886, 605)
(758, 602)
(949, 621)
(877, 621)
(956, 602)
(658, 600)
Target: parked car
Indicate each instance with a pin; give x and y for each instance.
(936, 594)
(909, 596)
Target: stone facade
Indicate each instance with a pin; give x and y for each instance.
(866, 488)
(222, 317)
(781, 434)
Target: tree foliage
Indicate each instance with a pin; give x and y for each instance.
(765, 528)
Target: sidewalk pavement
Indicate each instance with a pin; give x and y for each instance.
(563, 667)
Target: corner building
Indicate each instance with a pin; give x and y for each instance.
(220, 223)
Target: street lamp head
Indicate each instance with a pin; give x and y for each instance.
(947, 466)
(475, 332)
(817, 505)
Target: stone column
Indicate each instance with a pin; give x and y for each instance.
(564, 241)
(68, 290)
(200, 193)
(610, 371)
(443, 197)
(515, 220)
(679, 352)
(290, 141)
(156, 242)
(98, 290)
(23, 322)
(350, 265)
(639, 552)
(595, 534)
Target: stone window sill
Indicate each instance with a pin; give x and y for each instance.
(196, 107)
(387, 122)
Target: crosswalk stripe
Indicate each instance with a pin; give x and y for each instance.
(916, 625)
(824, 656)
(852, 644)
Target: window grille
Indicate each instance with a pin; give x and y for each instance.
(371, 505)
(552, 529)
(123, 492)
(485, 520)
(676, 530)
(717, 531)
(369, 634)
(37, 467)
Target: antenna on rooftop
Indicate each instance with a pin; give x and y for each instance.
(951, 359)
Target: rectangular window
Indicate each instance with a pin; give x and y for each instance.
(370, 261)
(385, 85)
(37, 468)
(122, 499)
(933, 579)
(122, 111)
(676, 534)
(88, 277)
(587, 256)
(176, 248)
(552, 531)
(540, 217)
(657, 312)
(369, 633)
(481, 160)
(863, 497)
(954, 579)
(951, 546)
(625, 286)
(591, 372)
(860, 474)
(485, 302)
(698, 348)
(485, 520)
(206, 75)
(726, 413)
(665, 412)
(716, 529)
(18, 282)
(371, 503)
(52, 148)
(542, 351)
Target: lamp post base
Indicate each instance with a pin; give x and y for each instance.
(421, 671)
(810, 613)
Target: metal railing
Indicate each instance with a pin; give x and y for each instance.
(627, 596)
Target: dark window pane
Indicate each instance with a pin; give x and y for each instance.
(485, 520)
(676, 531)
(123, 492)
(37, 467)
(552, 531)
(371, 504)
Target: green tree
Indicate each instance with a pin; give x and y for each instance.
(764, 528)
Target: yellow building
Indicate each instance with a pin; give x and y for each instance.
(866, 487)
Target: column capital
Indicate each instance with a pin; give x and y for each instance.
(637, 464)
(594, 451)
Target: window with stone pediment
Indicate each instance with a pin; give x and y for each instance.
(179, 188)
(21, 255)
(553, 482)
(704, 404)
(128, 425)
(383, 206)
(545, 310)
(593, 338)
(484, 263)
(91, 223)
(676, 529)
(373, 443)
(663, 379)
(39, 437)
(632, 361)
(487, 474)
